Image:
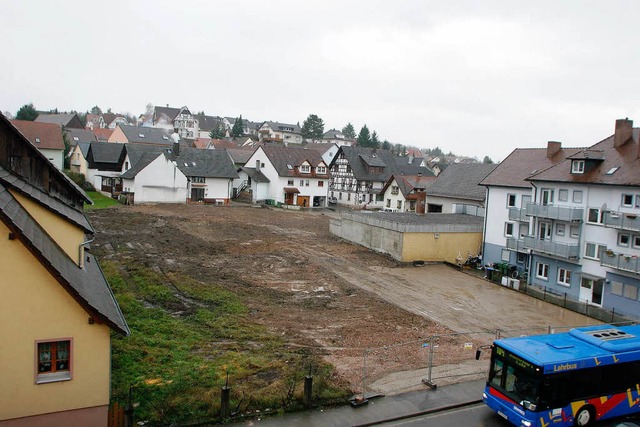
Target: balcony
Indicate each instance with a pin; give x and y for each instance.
(622, 262)
(621, 221)
(560, 213)
(514, 244)
(518, 214)
(550, 247)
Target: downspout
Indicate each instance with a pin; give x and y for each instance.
(484, 230)
(81, 252)
(535, 198)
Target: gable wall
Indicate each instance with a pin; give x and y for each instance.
(162, 182)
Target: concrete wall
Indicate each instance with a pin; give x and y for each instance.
(446, 247)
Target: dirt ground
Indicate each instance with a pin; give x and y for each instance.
(314, 289)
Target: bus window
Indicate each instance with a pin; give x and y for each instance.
(496, 373)
(510, 383)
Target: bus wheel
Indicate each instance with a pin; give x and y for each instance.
(584, 417)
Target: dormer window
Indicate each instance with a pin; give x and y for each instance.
(37, 140)
(305, 168)
(577, 166)
(321, 170)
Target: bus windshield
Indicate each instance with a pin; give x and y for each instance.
(516, 380)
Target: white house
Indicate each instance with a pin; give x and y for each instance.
(280, 132)
(292, 176)
(406, 193)
(457, 190)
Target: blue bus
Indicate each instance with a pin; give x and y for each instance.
(568, 379)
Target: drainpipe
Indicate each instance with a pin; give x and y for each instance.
(535, 199)
(81, 252)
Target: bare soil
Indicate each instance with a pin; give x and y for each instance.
(313, 289)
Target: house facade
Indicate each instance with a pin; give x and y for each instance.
(46, 137)
(457, 190)
(293, 176)
(335, 136)
(179, 120)
(406, 193)
(58, 310)
(280, 132)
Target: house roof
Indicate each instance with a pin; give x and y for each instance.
(321, 147)
(240, 157)
(167, 114)
(222, 144)
(255, 174)
(41, 135)
(201, 143)
(601, 160)
(207, 123)
(110, 117)
(106, 152)
(146, 135)
(102, 135)
(286, 160)
(360, 158)
(205, 163)
(87, 285)
(461, 181)
(84, 148)
(522, 163)
(59, 119)
(333, 134)
(283, 127)
(12, 181)
(74, 136)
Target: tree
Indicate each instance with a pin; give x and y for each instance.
(238, 128)
(364, 138)
(349, 132)
(217, 132)
(67, 149)
(487, 160)
(386, 145)
(27, 112)
(313, 127)
(400, 150)
(375, 143)
(96, 110)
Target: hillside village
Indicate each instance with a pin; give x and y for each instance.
(565, 220)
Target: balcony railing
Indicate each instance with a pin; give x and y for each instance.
(624, 262)
(550, 247)
(518, 214)
(561, 213)
(621, 221)
(515, 244)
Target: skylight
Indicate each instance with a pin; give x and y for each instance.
(75, 138)
(141, 135)
(613, 170)
(37, 140)
(165, 137)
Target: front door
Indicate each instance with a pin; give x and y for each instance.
(591, 291)
(197, 194)
(303, 201)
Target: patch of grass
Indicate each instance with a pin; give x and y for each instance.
(186, 337)
(100, 201)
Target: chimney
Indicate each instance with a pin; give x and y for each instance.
(553, 147)
(176, 149)
(624, 130)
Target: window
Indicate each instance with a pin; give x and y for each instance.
(508, 229)
(564, 277)
(616, 288)
(306, 183)
(592, 250)
(547, 196)
(521, 257)
(627, 200)
(560, 229)
(563, 195)
(544, 231)
(388, 203)
(505, 255)
(577, 166)
(320, 183)
(542, 271)
(623, 239)
(321, 170)
(302, 183)
(305, 168)
(348, 196)
(574, 231)
(399, 204)
(37, 140)
(630, 292)
(595, 216)
(290, 183)
(636, 242)
(394, 189)
(198, 179)
(577, 196)
(54, 361)
(511, 200)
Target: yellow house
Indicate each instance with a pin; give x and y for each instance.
(58, 310)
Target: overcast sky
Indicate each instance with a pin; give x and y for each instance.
(473, 77)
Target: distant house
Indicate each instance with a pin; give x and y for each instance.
(294, 176)
(406, 193)
(457, 190)
(78, 158)
(179, 120)
(104, 165)
(64, 120)
(58, 311)
(141, 135)
(105, 121)
(102, 135)
(280, 132)
(77, 136)
(206, 124)
(180, 175)
(328, 150)
(335, 136)
(46, 137)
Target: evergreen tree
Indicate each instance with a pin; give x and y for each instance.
(487, 160)
(238, 128)
(386, 145)
(217, 132)
(27, 112)
(349, 132)
(96, 110)
(375, 143)
(364, 138)
(313, 127)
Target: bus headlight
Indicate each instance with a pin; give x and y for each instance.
(526, 423)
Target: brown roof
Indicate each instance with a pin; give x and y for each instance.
(601, 160)
(523, 163)
(221, 144)
(201, 142)
(42, 135)
(103, 135)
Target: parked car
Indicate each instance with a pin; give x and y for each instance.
(332, 200)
